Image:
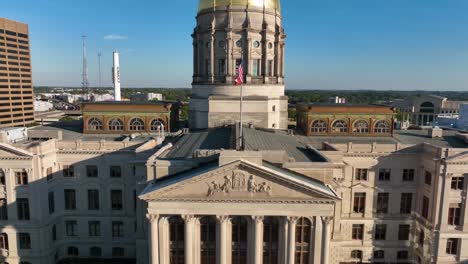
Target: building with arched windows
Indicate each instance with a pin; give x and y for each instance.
(346, 120)
(129, 117)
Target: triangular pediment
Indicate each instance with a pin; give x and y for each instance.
(240, 181)
(8, 151)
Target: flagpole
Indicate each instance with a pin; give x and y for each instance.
(241, 140)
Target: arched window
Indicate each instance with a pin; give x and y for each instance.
(319, 126)
(72, 251)
(303, 227)
(270, 240)
(356, 254)
(94, 124)
(239, 240)
(427, 107)
(382, 127)
(208, 240)
(158, 125)
(137, 124)
(340, 126)
(116, 124)
(361, 127)
(177, 238)
(118, 252)
(95, 251)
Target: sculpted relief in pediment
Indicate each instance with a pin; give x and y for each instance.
(234, 183)
(238, 182)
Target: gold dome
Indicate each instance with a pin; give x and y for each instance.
(268, 4)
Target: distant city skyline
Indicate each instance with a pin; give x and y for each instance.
(331, 44)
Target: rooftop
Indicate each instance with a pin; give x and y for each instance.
(300, 148)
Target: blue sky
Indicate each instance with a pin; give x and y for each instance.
(331, 44)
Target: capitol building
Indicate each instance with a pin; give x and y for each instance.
(343, 187)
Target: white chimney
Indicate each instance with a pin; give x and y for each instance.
(116, 77)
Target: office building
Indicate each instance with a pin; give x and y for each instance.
(16, 88)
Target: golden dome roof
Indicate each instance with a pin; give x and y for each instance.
(268, 4)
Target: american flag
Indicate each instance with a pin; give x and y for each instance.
(240, 75)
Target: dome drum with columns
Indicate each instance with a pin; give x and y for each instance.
(228, 33)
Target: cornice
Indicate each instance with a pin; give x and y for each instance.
(254, 201)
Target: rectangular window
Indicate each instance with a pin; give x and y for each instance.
(51, 203)
(4, 241)
(117, 229)
(384, 174)
(269, 68)
(361, 174)
(21, 178)
(408, 175)
(425, 207)
(380, 232)
(358, 232)
(118, 252)
(93, 199)
(402, 255)
(91, 171)
(406, 203)
(428, 178)
(457, 183)
(24, 241)
(54, 233)
(403, 232)
(452, 246)
(359, 202)
(116, 172)
(208, 68)
(382, 203)
(68, 171)
(116, 200)
(49, 173)
(3, 209)
(256, 67)
(421, 238)
(70, 199)
(71, 227)
(454, 214)
(94, 228)
(221, 67)
(23, 208)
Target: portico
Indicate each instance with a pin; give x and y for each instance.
(240, 212)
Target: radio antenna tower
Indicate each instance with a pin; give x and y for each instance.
(99, 64)
(85, 81)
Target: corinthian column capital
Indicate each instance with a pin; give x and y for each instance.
(152, 217)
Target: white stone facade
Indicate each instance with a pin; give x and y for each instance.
(341, 227)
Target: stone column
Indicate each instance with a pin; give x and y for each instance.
(164, 250)
(189, 235)
(258, 239)
(283, 241)
(326, 240)
(292, 220)
(222, 239)
(318, 240)
(153, 241)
